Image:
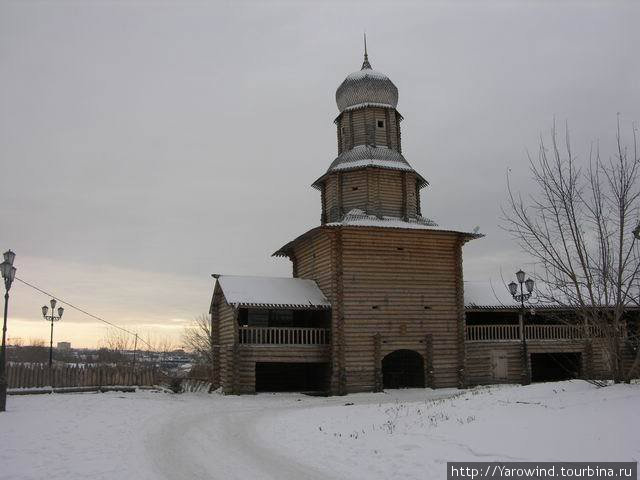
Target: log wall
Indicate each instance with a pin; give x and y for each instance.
(594, 358)
(248, 356)
(376, 191)
(403, 285)
(224, 327)
(360, 127)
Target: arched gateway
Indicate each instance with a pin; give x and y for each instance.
(403, 369)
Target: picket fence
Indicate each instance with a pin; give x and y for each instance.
(20, 375)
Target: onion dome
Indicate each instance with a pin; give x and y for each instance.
(366, 87)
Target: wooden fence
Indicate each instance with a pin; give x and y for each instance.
(20, 375)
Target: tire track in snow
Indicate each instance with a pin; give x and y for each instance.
(216, 442)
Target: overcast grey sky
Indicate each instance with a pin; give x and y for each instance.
(146, 145)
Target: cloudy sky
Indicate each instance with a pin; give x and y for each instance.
(146, 145)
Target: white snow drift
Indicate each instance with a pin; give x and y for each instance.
(400, 434)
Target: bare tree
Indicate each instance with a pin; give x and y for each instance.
(198, 339)
(578, 226)
(114, 345)
(116, 339)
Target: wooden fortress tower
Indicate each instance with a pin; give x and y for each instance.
(391, 278)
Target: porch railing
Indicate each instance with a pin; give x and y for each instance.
(492, 332)
(283, 336)
(499, 332)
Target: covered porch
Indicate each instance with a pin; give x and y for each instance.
(280, 335)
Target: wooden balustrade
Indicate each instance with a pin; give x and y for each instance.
(283, 336)
(480, 333)
(501, 332)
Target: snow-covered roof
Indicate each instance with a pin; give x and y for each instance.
(367, 104)
(489, 293)
(362, 156)
(272, 292)
(358, 218)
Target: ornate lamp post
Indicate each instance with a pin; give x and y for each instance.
(522, 297)
(52, 318)
(8, 274)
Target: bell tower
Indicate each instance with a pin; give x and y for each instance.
(393, 277)
(370, 176)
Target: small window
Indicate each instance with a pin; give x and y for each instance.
(342, 130)
(354, 188)
(380, 123)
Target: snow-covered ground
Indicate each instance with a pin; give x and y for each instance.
(398, 434)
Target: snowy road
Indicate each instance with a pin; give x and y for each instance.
(230, 432)
(409, 434)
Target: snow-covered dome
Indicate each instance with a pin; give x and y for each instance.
(366, 87)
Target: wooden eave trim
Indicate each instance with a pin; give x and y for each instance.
(279, 306)
(421, 183)
(285, 249)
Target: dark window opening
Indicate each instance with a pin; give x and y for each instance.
(553, 367)
(380, 123)
(403, 369)
(354, 188)
(262, 317)
(291, 377)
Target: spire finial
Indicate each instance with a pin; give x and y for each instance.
(366, 63)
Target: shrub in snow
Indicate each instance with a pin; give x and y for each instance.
(175, 384)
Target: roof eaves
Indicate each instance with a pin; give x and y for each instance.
(360, 106)
(318, 183)
(306, 306)
(284, 250)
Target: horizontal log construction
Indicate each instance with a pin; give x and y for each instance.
(401, 284)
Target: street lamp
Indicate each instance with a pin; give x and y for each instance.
(8, 274)
(522, 297)
(52, 318)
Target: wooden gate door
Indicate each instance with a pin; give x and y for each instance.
(499, 365)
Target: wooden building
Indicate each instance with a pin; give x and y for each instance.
(377, 298)
(550, 343)
(392, 308)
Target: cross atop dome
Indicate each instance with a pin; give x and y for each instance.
(365, 64)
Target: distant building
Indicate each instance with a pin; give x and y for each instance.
(66, 346)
